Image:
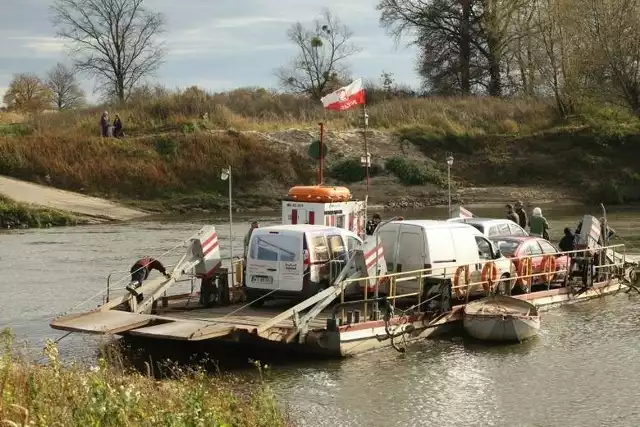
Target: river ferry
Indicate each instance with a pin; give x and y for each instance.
(333, 322)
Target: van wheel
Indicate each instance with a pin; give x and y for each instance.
(504, 287)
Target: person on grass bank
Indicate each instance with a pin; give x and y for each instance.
(522, 215)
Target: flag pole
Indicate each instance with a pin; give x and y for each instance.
(365, 118)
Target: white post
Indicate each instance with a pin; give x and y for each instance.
(226, 174)
(231, 229)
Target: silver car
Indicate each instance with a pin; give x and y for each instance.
(494, 227)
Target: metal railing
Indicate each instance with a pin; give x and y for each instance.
(463, 291)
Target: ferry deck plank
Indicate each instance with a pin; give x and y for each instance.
(102, 322)
(183, 330)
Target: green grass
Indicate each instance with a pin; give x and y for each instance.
(68, 395)
(18, 215)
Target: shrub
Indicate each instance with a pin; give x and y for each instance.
(351, 170)
(413, 173)
(110, 395)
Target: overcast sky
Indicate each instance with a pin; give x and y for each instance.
(215, 44)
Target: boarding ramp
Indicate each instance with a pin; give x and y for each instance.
(124, 313)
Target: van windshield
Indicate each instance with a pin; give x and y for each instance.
(275, 247)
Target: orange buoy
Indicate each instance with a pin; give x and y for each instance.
(489, 276)
(319, 193)
(457, 288)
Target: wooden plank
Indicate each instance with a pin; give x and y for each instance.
(102, 322)
(184, 330)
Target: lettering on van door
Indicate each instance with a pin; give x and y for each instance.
(290, 266)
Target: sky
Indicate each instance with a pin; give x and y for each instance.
(215, 44)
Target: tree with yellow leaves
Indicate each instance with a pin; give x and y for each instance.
(27, 93)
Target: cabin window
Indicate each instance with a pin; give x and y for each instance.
(484, 248)
(547, 248)
(336, 244)
(493, 231)
(320, 249)
(276, 247)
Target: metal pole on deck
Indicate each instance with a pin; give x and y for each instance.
(449, 164)
(226, 174)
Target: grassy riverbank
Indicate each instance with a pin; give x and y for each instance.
(59, 395)
(177, 144)
(19, 215)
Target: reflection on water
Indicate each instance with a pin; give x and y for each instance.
(581, 371)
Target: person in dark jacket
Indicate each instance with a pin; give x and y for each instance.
(117, 126)
(104, 124)
(511, 214)
(522, 214)
(140, 271)
(568, 241)
(372, 224)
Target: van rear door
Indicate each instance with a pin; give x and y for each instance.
(276, 261)
(410, 249)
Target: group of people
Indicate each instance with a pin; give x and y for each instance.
(538, 224)
(105, 125)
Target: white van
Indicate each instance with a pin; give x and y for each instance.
(423, 244)
(296, 261)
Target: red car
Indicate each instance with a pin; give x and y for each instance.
(516, 248)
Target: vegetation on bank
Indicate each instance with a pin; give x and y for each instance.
(54, 394)
(177, 142)
(19, 215)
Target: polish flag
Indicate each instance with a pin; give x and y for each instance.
(346, 97)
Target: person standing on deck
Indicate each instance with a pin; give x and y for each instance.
(511, 214)
(568, 242)
(538, 225)
(373, 223)
(522, 214)
(247, 237)
(140, 272)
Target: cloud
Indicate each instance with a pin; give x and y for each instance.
(40, 45)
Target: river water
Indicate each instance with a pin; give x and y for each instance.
(583, 369)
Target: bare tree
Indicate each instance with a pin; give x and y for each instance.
(443, 31)
(113, 40)
(615, 27)
(27, 93)
(320, 65)
(66, 90)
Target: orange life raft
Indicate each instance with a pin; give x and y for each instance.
(319, 193)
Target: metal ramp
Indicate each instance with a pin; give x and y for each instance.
(184, 331)
(102, 322)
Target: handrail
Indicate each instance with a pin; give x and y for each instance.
(449, 270)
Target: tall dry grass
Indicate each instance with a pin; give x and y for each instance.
(67, 395)
(258, 109)
(153, 166)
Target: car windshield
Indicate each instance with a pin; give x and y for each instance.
(507, 247)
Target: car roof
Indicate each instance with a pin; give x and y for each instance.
(515, 238)
(432, 223)
(485, 220)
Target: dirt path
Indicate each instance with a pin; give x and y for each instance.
(79, 204)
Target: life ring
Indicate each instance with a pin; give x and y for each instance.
(456, 280)
(319, 193)
(525, 269)
(549, 267)
(489, 276)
